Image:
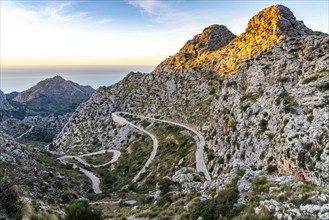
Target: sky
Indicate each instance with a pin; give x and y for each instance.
(127, 32)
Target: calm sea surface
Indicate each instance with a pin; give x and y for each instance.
(20, 79)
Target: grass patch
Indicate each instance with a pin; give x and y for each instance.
(99, 159)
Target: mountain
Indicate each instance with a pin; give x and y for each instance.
(53, 96)
(260, 100)
(36, 115)
(264, 30)
(211, 39)
(228, 128)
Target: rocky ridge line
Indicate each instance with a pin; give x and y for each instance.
(264, 30)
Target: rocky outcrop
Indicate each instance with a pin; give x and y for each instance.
(10, 151)
(5, 107)
(4, 104)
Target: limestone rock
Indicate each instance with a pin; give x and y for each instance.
(212, 38)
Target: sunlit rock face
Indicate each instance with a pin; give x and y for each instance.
(264, 30)
(211, 39)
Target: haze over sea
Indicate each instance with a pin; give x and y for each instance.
(19, 78)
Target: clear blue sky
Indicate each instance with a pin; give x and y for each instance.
(124, 32)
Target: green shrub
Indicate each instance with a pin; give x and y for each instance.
(308, 146)
(310, 79)
(81, 210)
(219, 207)
(164, 185)
(165, 199)
(301, 159)
(262, 155)
(229, 121)
(260, 184)
(283, 79)
(220, 160)
(323, 86)
(310, 118)
(10, 204)
(288, 101)
(271, 168)
(212, 91)
(263, 124)
(250, 97)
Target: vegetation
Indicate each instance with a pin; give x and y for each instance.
(99, 159)
(81, 210)
(173, 147)
(263, 124)
(310, 79)
(287, 100)
(252, 97)
(132, 159)
(220, 207)
(283, 79)
(10, 204)
(323, 86)
(271, 169)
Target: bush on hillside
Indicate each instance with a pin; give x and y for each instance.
(81, 210)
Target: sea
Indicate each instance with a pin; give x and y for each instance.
(22, 78)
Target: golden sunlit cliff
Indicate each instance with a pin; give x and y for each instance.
(264, 30)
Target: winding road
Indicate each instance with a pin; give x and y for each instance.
(26, 132)
(122, 121)
(200, 142)
(94, 179)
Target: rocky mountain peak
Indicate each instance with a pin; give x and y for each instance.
(264, 30)
(54, 95)
(57, 79)
(277, 22)
(52, 87)
(212, 38)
